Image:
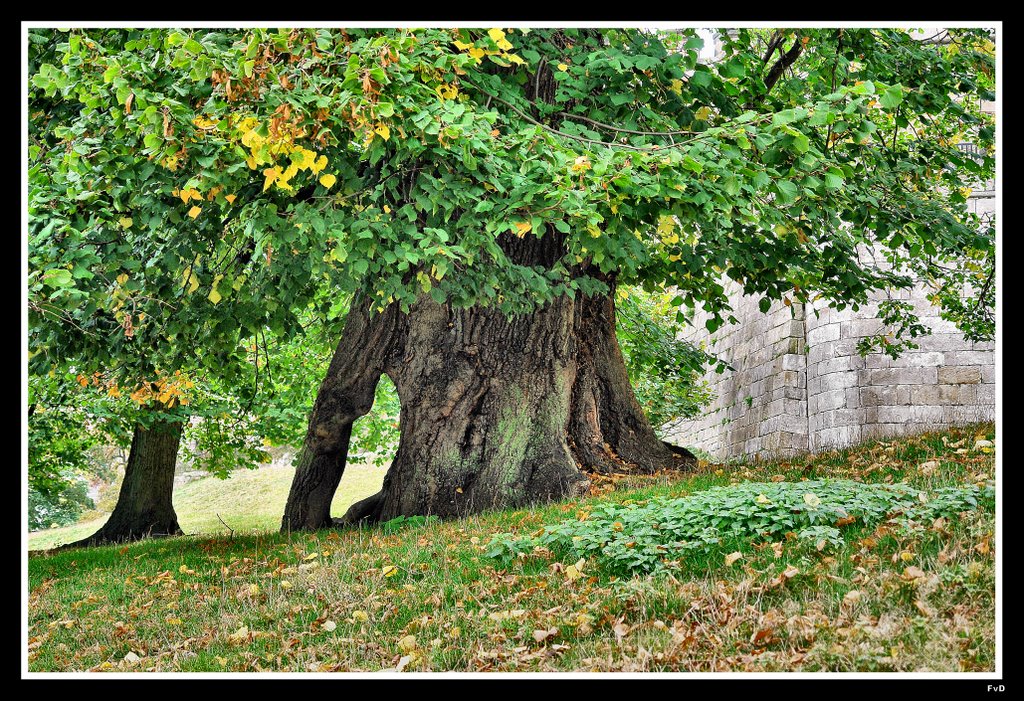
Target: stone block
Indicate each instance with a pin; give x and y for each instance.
(840, 364)
(880, 430)
(903, 376)
(956, 415)
(972, 357)
(952, 375)
(822, 351)
(853, 398)
(942, 342)
(877, 360)
(813, 386)
(910, 414)
(838, 380)
(823, 334)
(919, 359)
(794, 361)
(828, 438)
(859, 328)
(827, 401)
(986, 395)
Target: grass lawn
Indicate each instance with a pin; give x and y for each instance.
(248, 500)
(427, 597)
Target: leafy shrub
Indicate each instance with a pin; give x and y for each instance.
(60, 507)
(400, 522)
(665, 371)
(641, 537)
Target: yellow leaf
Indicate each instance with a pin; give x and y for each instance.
(575, 571)
(319, 165)
(407, 644)
(214, 295)
(307, 158)
(360, 616)
(563, 67)
(193, 283)
(462, 46)
(512, 58)
(122, 278)
(125, 222)
(285, 584)
(476, 53)
(581, 164)
(496, 34)
(271, 175)
(522, 228)
(383, 130)
(328, 180)
(194, 212)
(311, 556)
(389, 571)
(230, 198)
(222, 661)
(703, 113)
(252, 140)
(254, 589)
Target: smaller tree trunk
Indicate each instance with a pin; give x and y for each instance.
(144, 505)
(347, 392)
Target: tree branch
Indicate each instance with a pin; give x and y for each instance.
(787, 59)
(621, 129)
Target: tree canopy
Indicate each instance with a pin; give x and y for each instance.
(189, 188)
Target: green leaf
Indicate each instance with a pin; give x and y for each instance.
(57, 277)
(787, 190)
(833, 179)
(892, 97)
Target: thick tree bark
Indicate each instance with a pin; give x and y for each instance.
(495, 412)
(366, 347)
(607, 427)
(144, 505)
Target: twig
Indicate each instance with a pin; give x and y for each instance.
(626, 131)
(231, 530)
(610, 144)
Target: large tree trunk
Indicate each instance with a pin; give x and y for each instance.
(144, 507)
(496, 412)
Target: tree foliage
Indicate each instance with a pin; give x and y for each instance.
(192, 192)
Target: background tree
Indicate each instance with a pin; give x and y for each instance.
(480, 195)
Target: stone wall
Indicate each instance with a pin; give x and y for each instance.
(798, 383)
(760, 406)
